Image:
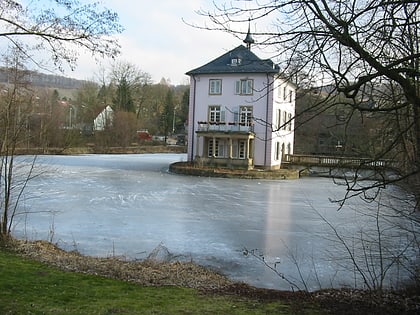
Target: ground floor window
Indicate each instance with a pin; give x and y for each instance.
(220, 148)
(216, 148)
(239, 149)
(242, 149)
(211, 147)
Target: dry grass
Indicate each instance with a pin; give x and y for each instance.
(147, 272)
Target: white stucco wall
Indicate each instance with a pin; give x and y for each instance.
(283, 134)
(104, 117)
(265, 102)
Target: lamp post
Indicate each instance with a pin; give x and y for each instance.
(173, 122)
(70, 114)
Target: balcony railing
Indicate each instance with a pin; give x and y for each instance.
(225, 126)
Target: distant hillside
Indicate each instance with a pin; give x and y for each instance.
(44, 80)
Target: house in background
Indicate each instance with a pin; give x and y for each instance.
(103, 119)
(241, 112)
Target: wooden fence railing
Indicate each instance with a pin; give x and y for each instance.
(322, 160)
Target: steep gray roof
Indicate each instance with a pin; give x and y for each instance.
(247, 62)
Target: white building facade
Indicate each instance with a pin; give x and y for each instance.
(103, 119)
(240, 112)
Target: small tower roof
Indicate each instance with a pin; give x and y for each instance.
(248, 39)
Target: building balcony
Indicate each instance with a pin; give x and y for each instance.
(204, 126)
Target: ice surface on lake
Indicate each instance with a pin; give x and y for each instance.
(129, 204)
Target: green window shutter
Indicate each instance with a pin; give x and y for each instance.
(237, 87)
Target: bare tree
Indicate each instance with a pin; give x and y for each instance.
(123, 129)
(57, 33)
(15, 108)
(60, 29)
(354, 60)
(131, 86)
(366, 51)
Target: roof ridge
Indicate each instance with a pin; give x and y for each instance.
(237, 60)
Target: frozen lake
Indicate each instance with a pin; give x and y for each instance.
(105, 205)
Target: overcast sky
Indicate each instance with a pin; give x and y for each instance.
(159, 42)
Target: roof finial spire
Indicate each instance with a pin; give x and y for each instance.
(248, 39)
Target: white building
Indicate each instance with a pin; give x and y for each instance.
(240, 112)
(103, 119)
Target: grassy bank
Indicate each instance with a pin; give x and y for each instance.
(37, 277)
(31, 287)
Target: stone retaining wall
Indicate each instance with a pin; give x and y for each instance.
(188, 168)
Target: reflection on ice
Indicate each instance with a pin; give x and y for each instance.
(128, 204)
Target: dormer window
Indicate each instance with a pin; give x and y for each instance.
(235, 61)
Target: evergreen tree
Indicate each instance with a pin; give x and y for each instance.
(123, 100)
(168, 114)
